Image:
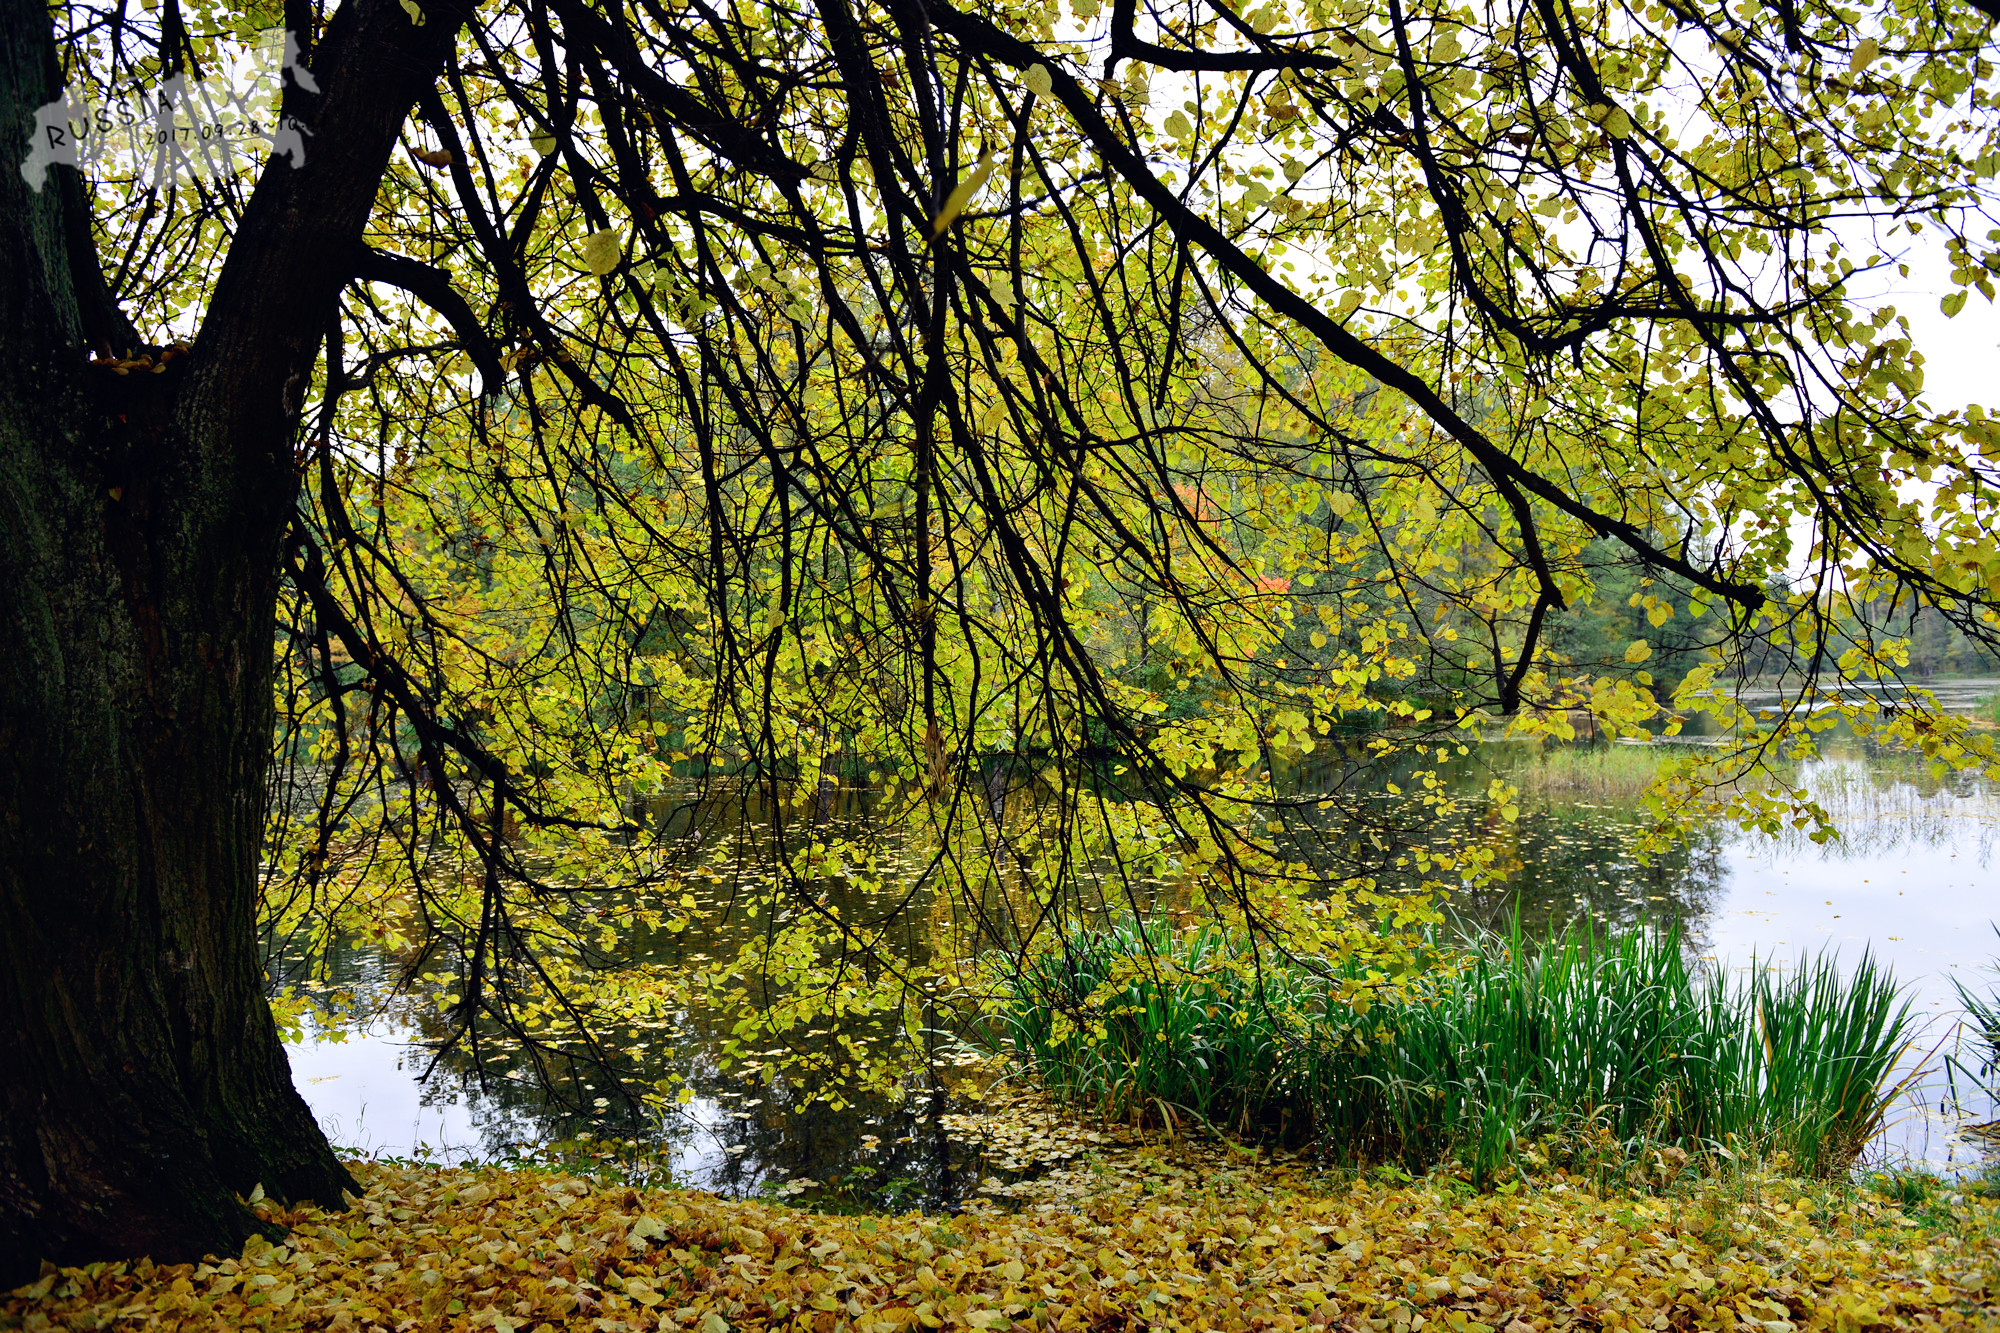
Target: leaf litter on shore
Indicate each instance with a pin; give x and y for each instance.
(1174, 1238)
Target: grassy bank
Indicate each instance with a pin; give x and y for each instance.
(1586, 1048)
(1174, 1245)
(1591, 773)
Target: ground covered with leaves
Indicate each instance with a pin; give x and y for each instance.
(1168, 1238)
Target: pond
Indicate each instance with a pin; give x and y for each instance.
(1911, 879)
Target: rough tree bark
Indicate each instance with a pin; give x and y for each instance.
(142, 1082)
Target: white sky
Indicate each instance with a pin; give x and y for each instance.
(1960, 355)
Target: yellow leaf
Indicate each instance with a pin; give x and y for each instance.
(37, 1289)
(1864, 55)
(962, 196)
(1638, 651)
(1037, 79)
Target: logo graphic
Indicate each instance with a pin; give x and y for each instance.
(200, 128)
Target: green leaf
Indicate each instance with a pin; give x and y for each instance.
(601, 250)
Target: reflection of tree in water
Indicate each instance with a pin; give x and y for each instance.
(739, 1136)
(874, 1151)
(1564, 859)
(1570, 863)
(507, 1126)
(741, 1133)
(1885, 803)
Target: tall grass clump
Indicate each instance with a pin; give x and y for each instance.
(1981, 1025)
(1615, 1037)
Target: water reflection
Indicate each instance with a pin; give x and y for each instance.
(380, 1091)
(1910, 879)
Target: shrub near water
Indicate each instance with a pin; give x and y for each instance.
(1586, 1040)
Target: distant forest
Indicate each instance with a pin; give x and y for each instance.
(1594, 634)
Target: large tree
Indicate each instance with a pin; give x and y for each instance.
(1102, 405)
(144, 1084)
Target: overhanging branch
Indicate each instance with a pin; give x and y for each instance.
(433, 287)
(1514, 480)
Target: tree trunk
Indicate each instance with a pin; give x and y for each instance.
(142, 1081)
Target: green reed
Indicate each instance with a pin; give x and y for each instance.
(1981, 1028)
(1613, 1039)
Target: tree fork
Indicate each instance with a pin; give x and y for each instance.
(143, 1085)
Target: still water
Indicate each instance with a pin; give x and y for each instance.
(1912, 879)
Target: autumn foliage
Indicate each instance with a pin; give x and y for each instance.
(1176, 1242)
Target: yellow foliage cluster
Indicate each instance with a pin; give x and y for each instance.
(1263, 1247)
